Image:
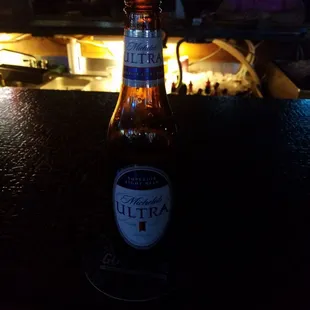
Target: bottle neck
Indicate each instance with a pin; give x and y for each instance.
(142, 14)
(143, 55)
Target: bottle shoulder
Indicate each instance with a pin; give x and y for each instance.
(143, 111)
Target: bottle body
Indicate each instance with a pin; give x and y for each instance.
(141, 140)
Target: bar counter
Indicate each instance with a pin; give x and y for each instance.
(243, 167)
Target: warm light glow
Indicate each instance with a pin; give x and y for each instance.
(12, 37)
(115, 73)
(116, 47)
(216, 72)
(173, 66)
(14, 58)
(5, 37)
(170, 50)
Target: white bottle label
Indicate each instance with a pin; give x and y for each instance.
(142, 205)
(143, 59)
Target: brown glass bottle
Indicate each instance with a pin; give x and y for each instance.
(141, 140)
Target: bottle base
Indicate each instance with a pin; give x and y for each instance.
(105, 272)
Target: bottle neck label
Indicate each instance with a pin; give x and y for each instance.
(142, 205)
(143, 58)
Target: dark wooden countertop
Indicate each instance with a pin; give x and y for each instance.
(243, 166)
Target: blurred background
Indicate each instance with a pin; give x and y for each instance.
(225, 48)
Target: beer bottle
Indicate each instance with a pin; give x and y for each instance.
(141, 140)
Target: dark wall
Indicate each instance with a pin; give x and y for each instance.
(193, 8)
(90, 7)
